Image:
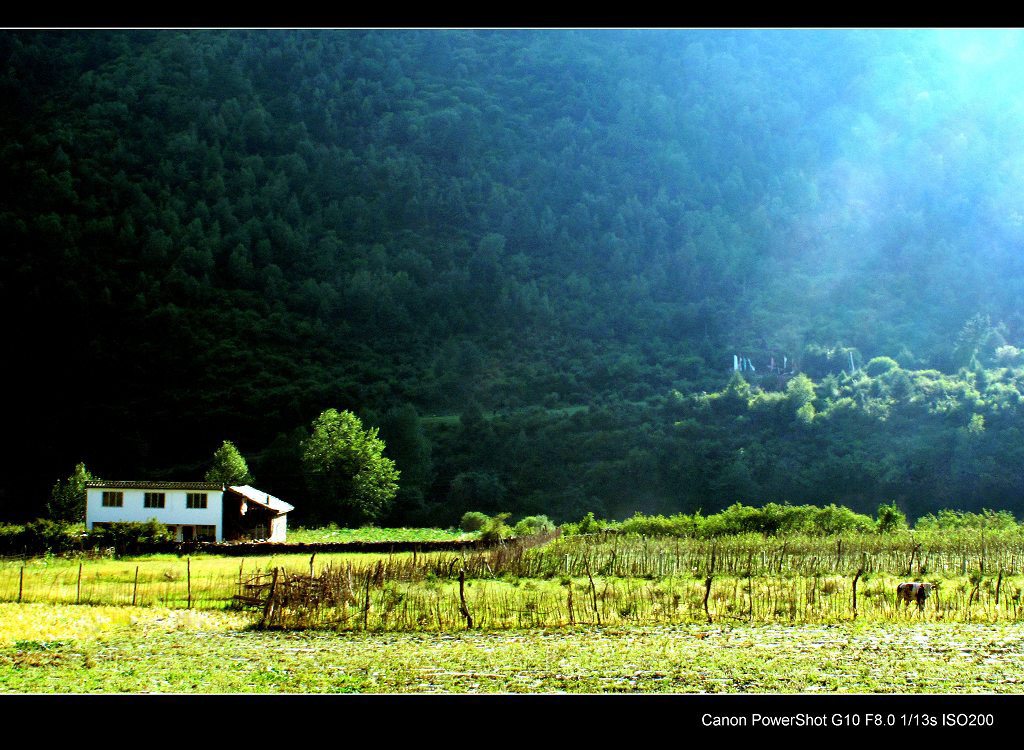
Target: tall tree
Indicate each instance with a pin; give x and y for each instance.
(67, 499)
(229, 467)
(345, 468)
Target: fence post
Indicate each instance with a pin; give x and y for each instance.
(913, 554)
(21, 582)
(707, 584)
(860, 570)
(188, 571)
(268, 609)
(750, 583)
(78, 586)
(462, 598)
(135, 588)
(593, 590)
(366, 608)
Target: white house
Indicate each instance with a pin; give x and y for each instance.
(190, 510)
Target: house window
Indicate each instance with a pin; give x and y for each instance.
(206, 532)
(113, 499)
(195, 500)
(154, 500)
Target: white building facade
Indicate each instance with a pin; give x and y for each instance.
(190, 510)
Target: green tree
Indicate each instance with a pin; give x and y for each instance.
(890, 518)
(346, 469)
(977, 341)
(67, 498)
(229, 467)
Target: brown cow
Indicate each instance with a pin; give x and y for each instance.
(916, 592)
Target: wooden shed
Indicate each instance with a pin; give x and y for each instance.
(252, 514)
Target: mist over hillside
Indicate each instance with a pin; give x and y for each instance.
(531, 258)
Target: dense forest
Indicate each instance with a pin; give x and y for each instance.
(534, 259)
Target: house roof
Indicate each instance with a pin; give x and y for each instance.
(155, 485)
(262, 498)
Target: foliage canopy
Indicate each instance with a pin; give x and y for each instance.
(549, 233)
(67, 498)
(351, 480)
(229, 467)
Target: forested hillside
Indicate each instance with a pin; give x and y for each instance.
(529, 257)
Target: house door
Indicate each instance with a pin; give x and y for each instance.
(188, 533)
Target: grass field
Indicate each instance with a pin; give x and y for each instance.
(634, 582)
(54, 648)
(163, 580)
(579, 614)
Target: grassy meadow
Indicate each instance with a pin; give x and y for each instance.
(602, 579)
(587, 613)
(48, 648)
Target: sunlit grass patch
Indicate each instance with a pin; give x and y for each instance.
(163, 579)
(200, 656)
(44, 623)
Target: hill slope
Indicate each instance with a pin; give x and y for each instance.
(214, 235)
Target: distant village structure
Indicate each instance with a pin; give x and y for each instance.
(742, 363)
(768, 363)
(192, 511)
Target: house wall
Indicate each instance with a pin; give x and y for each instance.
(279, 528)
(174, 513)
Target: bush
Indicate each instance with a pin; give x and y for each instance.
(677, 525)
(129, 538)
(495, 530)
(39, 537)
(589, 525)
(890, 518)
(1002, 520)
(44, 535)
(784, 519)
(771, 519)
(881, 365)
(473, 521)
(534, 525)
(11, 536)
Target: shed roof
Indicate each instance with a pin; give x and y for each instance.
(262, 498)
(127, 485)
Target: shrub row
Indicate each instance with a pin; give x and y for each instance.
(773, 518)
(45, 536)
(494, 528)
(770, 519)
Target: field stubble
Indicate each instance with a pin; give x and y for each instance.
(64, 648)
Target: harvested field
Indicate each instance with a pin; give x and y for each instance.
(47, 648)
